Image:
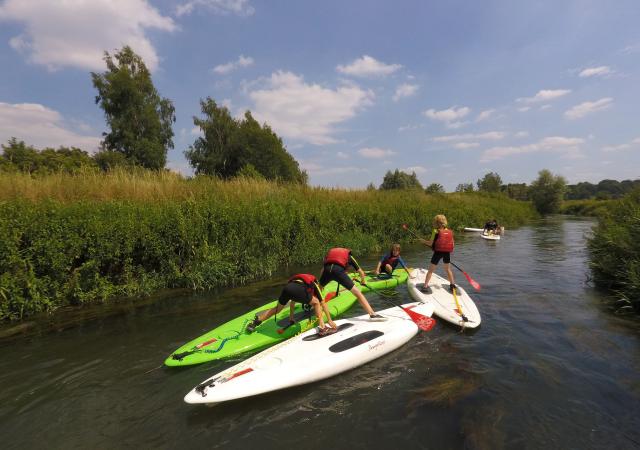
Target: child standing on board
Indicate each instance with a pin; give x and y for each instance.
(442, 244)
(390, 261)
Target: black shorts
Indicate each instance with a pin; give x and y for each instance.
(295, 291)
(444, 256)
(393, 267)
(333, 272)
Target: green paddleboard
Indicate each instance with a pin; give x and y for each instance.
(230, 339)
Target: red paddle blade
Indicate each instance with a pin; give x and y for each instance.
(404, 226)
(424, 323)
(329, 296)
(472, 282)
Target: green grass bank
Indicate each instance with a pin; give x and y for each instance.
(591, 208)
(71, 240)
(615, 252)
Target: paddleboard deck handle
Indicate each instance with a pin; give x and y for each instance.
(200, 389)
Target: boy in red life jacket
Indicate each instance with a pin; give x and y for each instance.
(442, 244)
(335, 268)
(302, 288)
(390, 261)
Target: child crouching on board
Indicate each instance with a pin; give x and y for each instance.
(390, 261)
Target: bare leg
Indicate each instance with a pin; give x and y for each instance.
(388, 269)
(362, 300)
(447, 268)
(432, 267)
(265, 315)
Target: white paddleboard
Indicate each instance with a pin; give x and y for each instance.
(473, 229)
(490, 236)
(444, 305)
(305, 358)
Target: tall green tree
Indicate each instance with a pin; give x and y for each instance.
(464, 187)
(400, 180)
(547, 192)
(228, 145)
(434, 188)
(140, 120)
(491, 182)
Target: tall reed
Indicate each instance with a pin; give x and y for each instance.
(93, 237)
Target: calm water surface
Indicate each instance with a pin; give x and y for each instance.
(549, 368)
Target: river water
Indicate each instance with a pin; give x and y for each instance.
(550, 368)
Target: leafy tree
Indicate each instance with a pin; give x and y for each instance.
(21, 156)
(18, 156)
(464, 187)
(400, 180)
(140, 120)
(434, 188)
(214, 153)
(109, 159)
(516, 191)
(491, 182)
(547, 192)
(371, 187)
(249, 171)
(228, 145)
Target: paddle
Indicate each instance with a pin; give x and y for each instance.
(455, 297)
(424, 323)
(471, 281)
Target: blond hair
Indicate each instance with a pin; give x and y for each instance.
(394, 247)
(439, 221)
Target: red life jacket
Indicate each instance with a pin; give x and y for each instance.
(308, 280)
(389, 259)
(339, 256)
(444, 243)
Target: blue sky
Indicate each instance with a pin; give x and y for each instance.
(450, 90)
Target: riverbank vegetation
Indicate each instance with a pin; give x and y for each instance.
(73, 239)
(615, 252)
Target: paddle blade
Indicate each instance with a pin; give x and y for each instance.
(424, 323)
(404, 226)
(472, 282)
(329, 296)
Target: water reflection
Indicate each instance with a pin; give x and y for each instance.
(549, 368)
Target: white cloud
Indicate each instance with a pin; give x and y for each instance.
(223, 7)
(76, 33)
(410, 127)
(586, 108)
(466, 145)
(243, 61)
(456, 125)
(368, 67)
(417, 169)
(342, 155)
(569, 147)
(405, 90)
(615, 148)
(306, 112)
(447, 115)
(490, 136)
(41, 127)
(522, 134)
(545, 95)
(375, 152)
(524, 108)
(599, 71)
(484, 115)
(630, 49)
(543, 107)
(315, 168)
